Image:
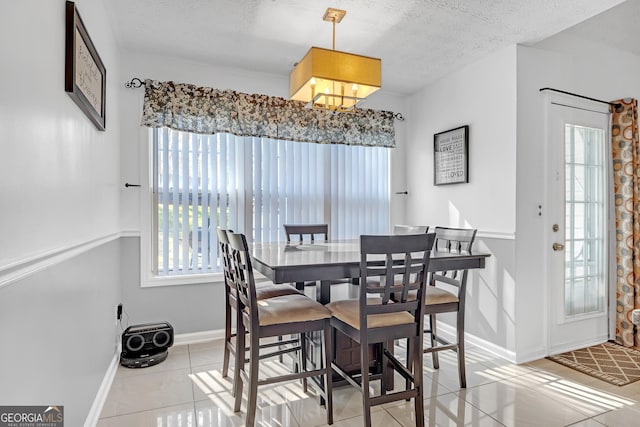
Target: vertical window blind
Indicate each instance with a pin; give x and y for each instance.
(255, 185)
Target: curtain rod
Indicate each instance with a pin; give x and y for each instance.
(613, 104)
(135, 83)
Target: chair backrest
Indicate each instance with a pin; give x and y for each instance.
(454, 239)
(306, 230)
(225, 260)
(242, 275)
(410, 229)
(458, 240)
(391, 267)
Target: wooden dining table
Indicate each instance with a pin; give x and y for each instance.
(325, 262)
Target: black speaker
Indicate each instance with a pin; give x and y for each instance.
(145, 342)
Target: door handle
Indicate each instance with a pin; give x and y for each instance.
(558, 246)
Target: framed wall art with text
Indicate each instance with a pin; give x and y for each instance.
(451, 156)
(85, 75)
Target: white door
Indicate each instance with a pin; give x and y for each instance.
(577, 226)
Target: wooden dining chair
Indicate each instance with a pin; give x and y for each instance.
(306, 232)
(276, 316)
(391, 269)
(447, 294)
(410, 229)
(264, 290)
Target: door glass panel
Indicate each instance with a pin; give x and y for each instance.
(584, 220)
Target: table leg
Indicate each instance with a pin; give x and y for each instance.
(323, 292)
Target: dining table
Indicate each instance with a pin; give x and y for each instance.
(325, 262)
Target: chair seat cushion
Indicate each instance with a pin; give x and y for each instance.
(290, 309)
(349, 312)
(269, 290)
(435, 296)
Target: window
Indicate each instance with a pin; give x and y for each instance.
(255, 185)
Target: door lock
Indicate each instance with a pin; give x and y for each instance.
(558, 246)
(555, 228)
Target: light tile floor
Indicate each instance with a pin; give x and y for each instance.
(187, 389)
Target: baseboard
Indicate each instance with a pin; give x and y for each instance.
(197, 337)
(103, 392)
(448, 332)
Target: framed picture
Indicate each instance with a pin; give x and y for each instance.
(85, 75)
(451, 156)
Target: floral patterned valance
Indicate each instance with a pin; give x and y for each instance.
(189, 108)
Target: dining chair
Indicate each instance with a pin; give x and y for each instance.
(410, 229)
(306, 231)
(446, 293)
(264, 290)
(276, 316)
(391, 268)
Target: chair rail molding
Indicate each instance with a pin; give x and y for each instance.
(20, 268)
(500, 235)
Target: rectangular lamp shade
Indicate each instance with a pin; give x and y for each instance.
(334, 73)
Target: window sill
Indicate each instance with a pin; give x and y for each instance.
(152, 281)
(192, 279)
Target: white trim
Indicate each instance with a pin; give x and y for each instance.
(103, 391)
(502, 235)
(448, 332)
(21, 268)
(574, 345)
(130, 233)
(178, 280)
(198, 337)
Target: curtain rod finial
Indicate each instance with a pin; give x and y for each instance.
(134, 83)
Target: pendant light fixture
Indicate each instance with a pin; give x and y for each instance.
(334, 80)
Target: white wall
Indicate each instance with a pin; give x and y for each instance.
(483, 96)
(59, 179)
(168, 303)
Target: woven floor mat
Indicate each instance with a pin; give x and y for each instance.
(609, 362)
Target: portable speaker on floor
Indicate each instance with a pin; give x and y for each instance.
(146, 345)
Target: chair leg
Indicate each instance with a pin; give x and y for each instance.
(239, 366)
(416, 368)
(227, 339)
(302, 357)
(434, 355)
(328, 377)
(239, 352)
(410, 357)
(461, 366)
(364, 383)
(252, 392)
(384, 368)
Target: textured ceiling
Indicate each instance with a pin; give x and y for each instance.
(418, 41)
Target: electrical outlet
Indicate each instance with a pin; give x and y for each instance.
(119, 312)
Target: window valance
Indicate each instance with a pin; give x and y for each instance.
(186, 107)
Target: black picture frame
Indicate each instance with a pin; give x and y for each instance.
(85, 74)
(451, 156)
